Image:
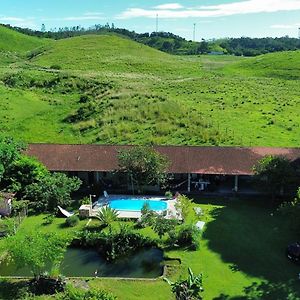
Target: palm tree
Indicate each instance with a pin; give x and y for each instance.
(107, 216)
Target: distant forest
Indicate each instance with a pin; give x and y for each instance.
(174, 44)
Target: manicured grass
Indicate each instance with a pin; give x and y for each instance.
(242, 253)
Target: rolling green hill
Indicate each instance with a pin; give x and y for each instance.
(108, 89)
(13, 41)
(285, 65)
(110, 53)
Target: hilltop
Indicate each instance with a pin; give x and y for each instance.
(174, 44)
(13, 41)
(108, 53)
(109, 89)
(285, 65)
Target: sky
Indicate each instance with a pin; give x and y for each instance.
(213, 18)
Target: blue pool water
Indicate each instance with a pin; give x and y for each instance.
(137, 204)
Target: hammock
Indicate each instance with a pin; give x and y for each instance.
(65, 213)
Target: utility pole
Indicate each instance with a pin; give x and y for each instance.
(156, 22)
(194, 33)
(299, 32)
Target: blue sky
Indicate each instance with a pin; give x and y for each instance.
(213, 18)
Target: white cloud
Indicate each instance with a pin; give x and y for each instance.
(221, 10)
(85, 17)
(285, 26)
(11, 19)
(81, 18)
(169, 6)
(19, 22)
(95, 14)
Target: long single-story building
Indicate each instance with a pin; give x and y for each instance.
(193, 168)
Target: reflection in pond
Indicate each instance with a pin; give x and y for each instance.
(146, 263)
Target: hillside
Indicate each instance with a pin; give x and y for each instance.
(16, 42)
(285, 65)
(108, 53)
(111, 90)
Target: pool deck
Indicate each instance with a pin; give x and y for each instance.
(171, 212)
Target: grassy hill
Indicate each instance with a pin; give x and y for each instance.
(108, 89)
(14, 41)
(285, 65)
(109, 53)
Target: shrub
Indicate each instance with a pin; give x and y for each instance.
(169, 195)
(55, 67)
(48, 220)
(47, 285)
(114, 245)
(73, 293)
(85, 201)
(162, 225)
(188, 236)
(184, 205)
(7, 227)
(147, 217)
(84, 99)
(187, 289)
(72, 221)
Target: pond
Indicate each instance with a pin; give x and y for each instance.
(146, 263)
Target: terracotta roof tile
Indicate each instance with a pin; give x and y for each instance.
(184, 159)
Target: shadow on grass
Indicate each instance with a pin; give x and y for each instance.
(13, 290)
(252, 239)
(266, 291)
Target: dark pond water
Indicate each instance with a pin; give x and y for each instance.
(146, 263)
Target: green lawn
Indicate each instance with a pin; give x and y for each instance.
(241, 254)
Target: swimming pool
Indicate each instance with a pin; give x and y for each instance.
(137, 204)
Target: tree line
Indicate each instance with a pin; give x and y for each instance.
(246, 46)
(172, 43)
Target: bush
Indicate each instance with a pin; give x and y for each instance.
(188, 236)
(48, 220)
(169, 195)
(147, 217)
(7, 227)
(79, 294)
(85, 201)
(72, 221)
(47, 285)
(114, 245)
(162, 225)
(55, 67)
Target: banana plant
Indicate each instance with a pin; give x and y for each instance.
(188, 289)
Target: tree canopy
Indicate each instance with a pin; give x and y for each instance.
(274, 174)
(144, 165)
(36, 250)
(52, 190)
(10, 151)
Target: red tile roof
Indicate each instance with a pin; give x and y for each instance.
(184, 159)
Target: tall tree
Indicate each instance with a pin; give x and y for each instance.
(24, 171)
(144, 165)
(35, 250)
(10, 150)
(52, 190)
(274, 173)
